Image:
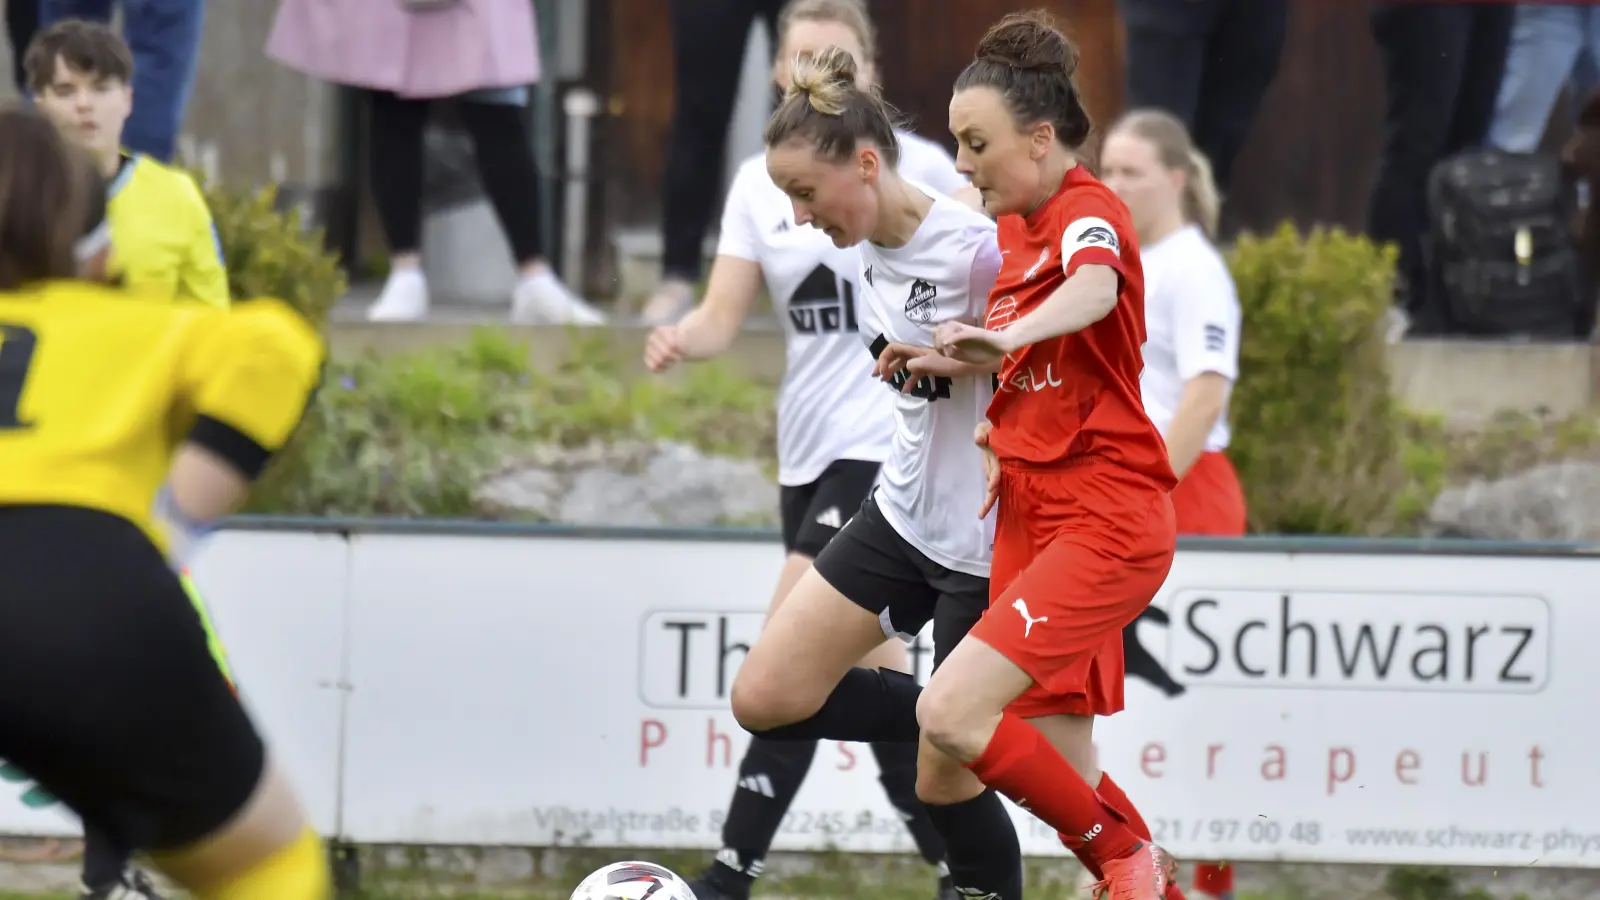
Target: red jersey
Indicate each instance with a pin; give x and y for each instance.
(1074, 398)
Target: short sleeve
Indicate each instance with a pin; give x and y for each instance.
(250, 373)
(1206, 325)
(1090, 240)
(205, 274)
(738, 235)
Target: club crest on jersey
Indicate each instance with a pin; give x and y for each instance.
(920, 302)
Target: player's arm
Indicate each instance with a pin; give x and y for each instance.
(204, 275)
(731, 290)
(1206, 338)
(249, 376)
(1092, 261)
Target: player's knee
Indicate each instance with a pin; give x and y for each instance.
(300, 871)
(941, 718)
(941, 781)
(763, 700)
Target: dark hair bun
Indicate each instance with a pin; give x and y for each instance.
(1031, 41)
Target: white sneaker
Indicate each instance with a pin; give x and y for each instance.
(543, 300)
(671, 300)
(404, 298)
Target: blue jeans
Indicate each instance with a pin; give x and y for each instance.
(1551, 44)
(165, 38)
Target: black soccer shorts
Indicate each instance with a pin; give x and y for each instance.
(109, 696)
(813, 513)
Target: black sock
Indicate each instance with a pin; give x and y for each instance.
(104, 860)
(897, 770)
(868, 706)
(769, 777)
(983, 854)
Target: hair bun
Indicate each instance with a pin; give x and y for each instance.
(825, 79)
(1029, 41)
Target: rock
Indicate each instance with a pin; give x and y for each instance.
(1551, 502)
(533, 493)
(631, 485)
(600, 497)
(690, 489)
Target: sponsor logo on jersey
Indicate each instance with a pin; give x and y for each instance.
(1097, 234)
(920, 302)
(1216, 338)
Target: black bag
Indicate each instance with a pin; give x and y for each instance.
(1500, 253)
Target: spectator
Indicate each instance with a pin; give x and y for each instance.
(79, 74)
(1552, 46)
(708, 42)
(481, 53)
(1442, 66)
(1191, 355)
(165, 38)
(1208, 62)
(22, 20)
(1581, 160)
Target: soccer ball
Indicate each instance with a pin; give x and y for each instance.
(633, 881)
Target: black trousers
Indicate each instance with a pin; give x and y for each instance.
(22, 20)
(1442, 65)
(708, 42)
(506, 167)
(1208, 62)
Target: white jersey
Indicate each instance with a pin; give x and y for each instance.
(932, 484)
(1192, 324)
(829, 405)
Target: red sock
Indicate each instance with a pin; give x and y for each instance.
(1215, 879)
(1076, 845)
(1021, 764)
(1112, 796)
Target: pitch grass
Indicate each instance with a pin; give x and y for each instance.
(411, 875)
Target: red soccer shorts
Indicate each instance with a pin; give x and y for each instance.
(1078, 553)
(1209, 499)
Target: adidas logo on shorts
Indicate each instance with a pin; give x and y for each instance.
(831, 518)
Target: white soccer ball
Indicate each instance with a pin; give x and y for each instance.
(633, 880)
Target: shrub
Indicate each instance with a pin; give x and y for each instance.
(415, 434)
(271, 254)
(1317, 433)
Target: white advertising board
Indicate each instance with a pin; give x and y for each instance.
(537, 690)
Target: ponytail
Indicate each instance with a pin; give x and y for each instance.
(1202, 205)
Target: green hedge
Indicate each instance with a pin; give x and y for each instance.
(415, 434)
(1317, 432)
